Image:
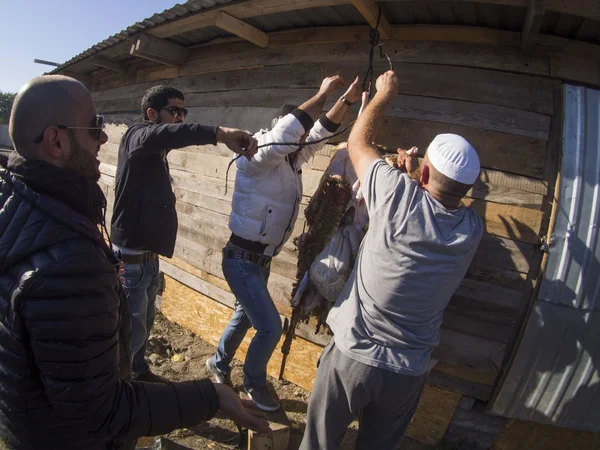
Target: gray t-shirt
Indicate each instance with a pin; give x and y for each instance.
(411, 261)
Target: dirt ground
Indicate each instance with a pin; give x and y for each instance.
(178, 354)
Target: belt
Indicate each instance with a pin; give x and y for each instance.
(261, 260)
(250, 246)
(138, 259)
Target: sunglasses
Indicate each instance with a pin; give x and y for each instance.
(176, 111)
(95, 130)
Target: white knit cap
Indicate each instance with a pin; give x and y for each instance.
(453, 156)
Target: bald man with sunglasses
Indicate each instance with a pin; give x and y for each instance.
(144, 221)
(65, 330)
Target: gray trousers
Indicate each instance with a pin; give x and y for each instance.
(345, 389)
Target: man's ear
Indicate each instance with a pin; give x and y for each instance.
(54, 143)
(152, 114)
(424, 179)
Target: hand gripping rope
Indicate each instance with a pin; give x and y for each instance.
(374, 37)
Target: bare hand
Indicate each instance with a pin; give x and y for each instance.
(354, 92)
(242, 412)
(407, 160)
(330, 84)
(239, 141)
(387, 84)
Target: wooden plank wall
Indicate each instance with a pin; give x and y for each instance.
(505, 115)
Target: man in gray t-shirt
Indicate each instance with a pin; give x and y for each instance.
(387, 319)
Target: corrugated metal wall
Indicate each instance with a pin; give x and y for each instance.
(555, 375)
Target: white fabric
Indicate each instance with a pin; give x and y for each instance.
(332, 267)
(453, 156)
(268, 190)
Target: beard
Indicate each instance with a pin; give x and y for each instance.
(83, 162)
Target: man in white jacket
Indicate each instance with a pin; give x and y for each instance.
(268, 191)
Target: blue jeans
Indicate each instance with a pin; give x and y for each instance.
(141, 286)
(254, 308)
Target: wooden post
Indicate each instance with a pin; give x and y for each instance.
(533, 23)
(370, 11)
(242, 29)
(159, 50)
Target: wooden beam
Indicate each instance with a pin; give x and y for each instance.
(242, 29)
(83, 77)
(242, 10)
(533, 23)
(370, 11)
(159, 50)
(107, 63)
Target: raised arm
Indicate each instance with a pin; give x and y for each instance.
(289, 130)
(361, 149)
(330, 124)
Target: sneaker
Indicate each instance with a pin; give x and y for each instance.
(262, 397)
(220, 377)
(150, 377)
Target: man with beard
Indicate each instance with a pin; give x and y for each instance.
(65, 331)
(386, 321)
(144, 221)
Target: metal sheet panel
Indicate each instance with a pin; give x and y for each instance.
(555, 375)
(573, 270)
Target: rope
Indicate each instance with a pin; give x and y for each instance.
(374, 37)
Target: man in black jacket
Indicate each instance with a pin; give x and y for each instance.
(144, 221)
(65, 332)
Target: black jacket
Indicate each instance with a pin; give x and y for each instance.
(65, 330)
(144, 216)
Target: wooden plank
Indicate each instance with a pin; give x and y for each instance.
(475, 115)
(476, 390)
(462, 83)
(462, 113)
(219, 58)
(475, 353)
(507, 254)
(514, 222)
(106, 63)
(533, 23)
(468, 374)
(482, 311)
(500, 277)
(484, 329)
(158, 50)
(453, 33)
(434, 413)
(242, 29)
(583, 8)
(374, 17)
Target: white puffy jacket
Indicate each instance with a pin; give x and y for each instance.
(268, 189)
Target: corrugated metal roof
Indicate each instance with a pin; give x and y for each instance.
(313, 17)
(175, 12)
(555, 375)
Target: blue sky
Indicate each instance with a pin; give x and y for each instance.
(57, 30)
